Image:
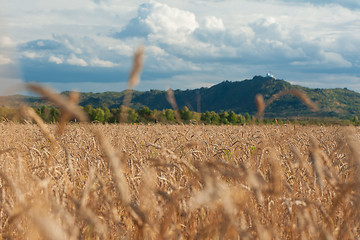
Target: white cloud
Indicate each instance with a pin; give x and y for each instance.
(73, 60)
(102, 63)
(6, 42)
(160, 22)
(122, 49)
(171, 21)
(156, 51)
(326, 60)
(269, 28)
(31, 55)
(214, 23)
(335, 60)
(55, 59)
(5, 60)
(40, 43)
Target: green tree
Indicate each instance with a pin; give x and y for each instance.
(89, 110)
(145, 115)
(107, 114)
(215, 118)
(54, 114)
(247, 118)
(48, 114)
(98, 115)
(185, 114)
(115, 115)
(170, 115)
(132, 116)
(232, 118)
(210, 117)
(241, 119)
(224, 117)
(206, 117)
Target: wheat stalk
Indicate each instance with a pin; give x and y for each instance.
(171, 99)
(262, 105)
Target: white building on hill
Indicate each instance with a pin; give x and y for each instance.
(269, 75)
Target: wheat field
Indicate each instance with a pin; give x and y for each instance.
(123, 181)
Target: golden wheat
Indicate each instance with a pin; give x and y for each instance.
(183, 182)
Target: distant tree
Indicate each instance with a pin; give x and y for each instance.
(210, 117)
(247, 118)
(132, 116)
(170, 115)
(54, 114)
(215, 118)
(206, 117)
(107, 114)
(45, 113)
(232, 118)
(157, 115)
(115, 115)
(89, 110)
(98, 115)
(224, 117)
(241, 119)
(48, 114)
(185, 114)
(145, 115)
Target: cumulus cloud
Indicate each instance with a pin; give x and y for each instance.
(5, 60)
(6, 42)
(335, 60)
(122, 49)
(325, 60)
(102, 63)
(73, 60)
(160, 22)
(55, 59)
(41, 45)
(268, 28)
(214, 24)
(156, 51)
(31, 55)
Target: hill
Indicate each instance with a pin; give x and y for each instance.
(231, 96)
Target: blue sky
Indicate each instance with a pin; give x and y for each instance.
(88, 45)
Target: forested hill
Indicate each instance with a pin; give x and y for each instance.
(237, 96)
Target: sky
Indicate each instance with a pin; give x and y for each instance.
(88, 45)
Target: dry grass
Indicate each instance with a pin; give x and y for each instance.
(179, 182)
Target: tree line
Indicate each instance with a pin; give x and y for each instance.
(145, 115)
(51, 114)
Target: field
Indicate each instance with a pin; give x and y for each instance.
(123, 181)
